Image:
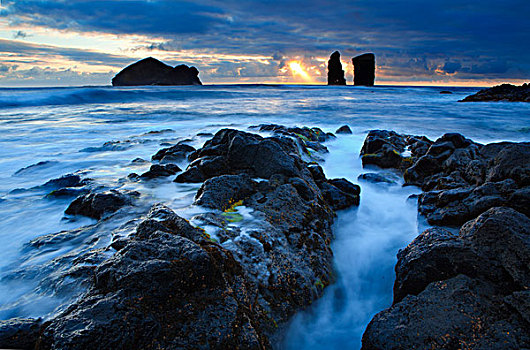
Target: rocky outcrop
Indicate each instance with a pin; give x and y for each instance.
(172, 285)
(335, 71)
(461, 291)
(151, 71)
(460, 178)
(504, 92)
(364, 69)
(465, 290)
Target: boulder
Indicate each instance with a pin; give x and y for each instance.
(364, 69)
(345, 129)
(335, 72)
(151, 71)
(504, 92)
(97, 204)
(222, 191)
(174, 153)
(158, 170)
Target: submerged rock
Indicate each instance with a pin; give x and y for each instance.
(151, 71)
(335, 71)
(345, 129)
(364, 69)
(504, 92)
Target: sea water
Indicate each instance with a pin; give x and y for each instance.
(97, 132)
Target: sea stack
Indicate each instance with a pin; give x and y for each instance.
(151, 71)
(335, 72)
(364, 69)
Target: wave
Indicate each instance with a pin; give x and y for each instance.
(31, 97)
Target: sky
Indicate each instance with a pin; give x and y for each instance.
(416, 42)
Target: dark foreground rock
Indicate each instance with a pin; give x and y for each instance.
(173, 286)
(464, 291)
(364, 69)
(467, 290)
(151, 71)
(504, 92)
(335, 71)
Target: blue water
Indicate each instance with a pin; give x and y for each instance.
(49, 132)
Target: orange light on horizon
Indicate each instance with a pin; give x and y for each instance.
(298, 70)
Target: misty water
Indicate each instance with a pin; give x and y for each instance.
(47, 133)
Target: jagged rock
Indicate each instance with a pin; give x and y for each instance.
(458, 313)
(161, 290)
(174, 153)
(384, 149)
(19, 333)
(95, 205)
(335, 72)
(222, 191)
(364, 69)
(345, 129)
(151, 71)
(504, 92)
(460, 290)
(157, 170)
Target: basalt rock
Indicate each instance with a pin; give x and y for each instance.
(19, 333)
(504, 92)
(335, 71)
(98, 204)
(174, 153)
(461, 290)
(364, 69)
(172, 285)
(461, 178)
(158, 170)
(151, 71)
(345, 129)
(162, 290)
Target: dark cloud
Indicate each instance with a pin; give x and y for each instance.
(416, 39)
(116, 16)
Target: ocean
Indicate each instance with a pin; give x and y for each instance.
(97, 132)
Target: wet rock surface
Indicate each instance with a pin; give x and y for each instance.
(466, 289)
(97, 204)
(460, 291)
(151, 71)
(504, 92)
(460, 178)
(172, 285)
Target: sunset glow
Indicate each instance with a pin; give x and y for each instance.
(298, 70)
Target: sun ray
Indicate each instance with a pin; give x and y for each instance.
(298, 70)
